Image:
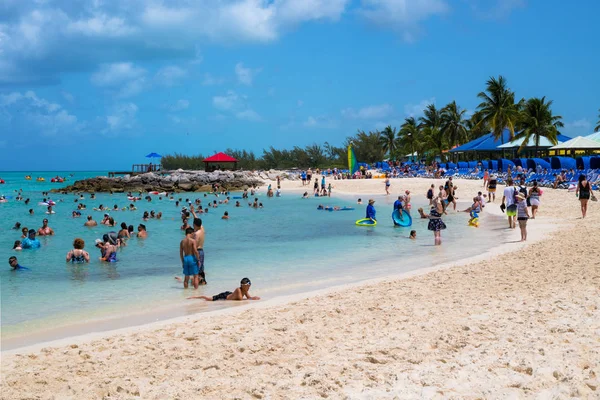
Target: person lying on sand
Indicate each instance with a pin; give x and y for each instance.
(238, 293)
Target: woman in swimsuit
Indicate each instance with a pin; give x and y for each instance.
(435, 220)
(407, 205)
(124, 232)
(78, 255)
(491, 188)
(584, 190)
(534, 198)
(486, 178)
(387, 185)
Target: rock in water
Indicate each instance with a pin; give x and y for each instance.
(177, 181)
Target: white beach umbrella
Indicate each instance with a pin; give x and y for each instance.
(594, 136)
(544, 142)
(578, 142)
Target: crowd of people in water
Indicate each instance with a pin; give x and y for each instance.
(519, 201)
(115, 241)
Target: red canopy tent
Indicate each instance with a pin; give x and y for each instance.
(216, 162)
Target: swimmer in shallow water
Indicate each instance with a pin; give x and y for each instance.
(237, 294)
(413, 235)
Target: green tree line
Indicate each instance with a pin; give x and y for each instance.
(429, 136)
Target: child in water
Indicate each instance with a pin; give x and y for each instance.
(238, 293)
(413, 235)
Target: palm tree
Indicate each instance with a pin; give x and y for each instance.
(498, 109)
(454, 124)
(388, 140)
(431, 128)
(476, 127)
(536, 121)
(597, 128)
(410, 134)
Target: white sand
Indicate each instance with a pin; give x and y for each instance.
(522, 324)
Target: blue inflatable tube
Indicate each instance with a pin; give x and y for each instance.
(401, 220)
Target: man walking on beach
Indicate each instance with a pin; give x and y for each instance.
(508, 200)
(189, 259)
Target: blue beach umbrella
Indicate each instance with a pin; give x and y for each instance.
(153, 155)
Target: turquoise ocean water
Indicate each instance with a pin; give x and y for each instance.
(287, 247)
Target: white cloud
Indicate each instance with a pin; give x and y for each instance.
(320, 122)
(210, 80)
(39, 41)
(248, 115)
(580, 123)
(170, 75)
(413, 110)
(122, 118)
(235, 105)
(101, 26)
(116, 73)
(226, 102)
(369, 112)
(245, 75)
(402, 16)
(68, 96)
(124, 79)
(179, 105)
(28, 112)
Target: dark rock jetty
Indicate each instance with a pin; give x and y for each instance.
(175, 181)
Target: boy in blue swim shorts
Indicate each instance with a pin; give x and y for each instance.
(189, 259)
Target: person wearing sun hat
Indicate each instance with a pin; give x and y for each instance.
(522, 215)
(371, 210)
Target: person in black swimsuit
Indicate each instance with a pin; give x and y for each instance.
(78, 255)
(584, 190)
(237, 294)
(449, 188)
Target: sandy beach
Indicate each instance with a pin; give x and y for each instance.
(522, 321)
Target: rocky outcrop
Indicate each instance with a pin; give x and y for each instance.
(176, 181)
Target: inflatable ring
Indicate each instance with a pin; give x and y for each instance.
(366, 222)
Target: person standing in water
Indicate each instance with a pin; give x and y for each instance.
(189, 256)
(430, 194)
(407, 205)
(371, 211)
(436, 225)
(199, 236)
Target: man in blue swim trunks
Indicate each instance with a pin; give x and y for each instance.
(189, 259)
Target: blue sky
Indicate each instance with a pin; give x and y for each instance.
(98, 84)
